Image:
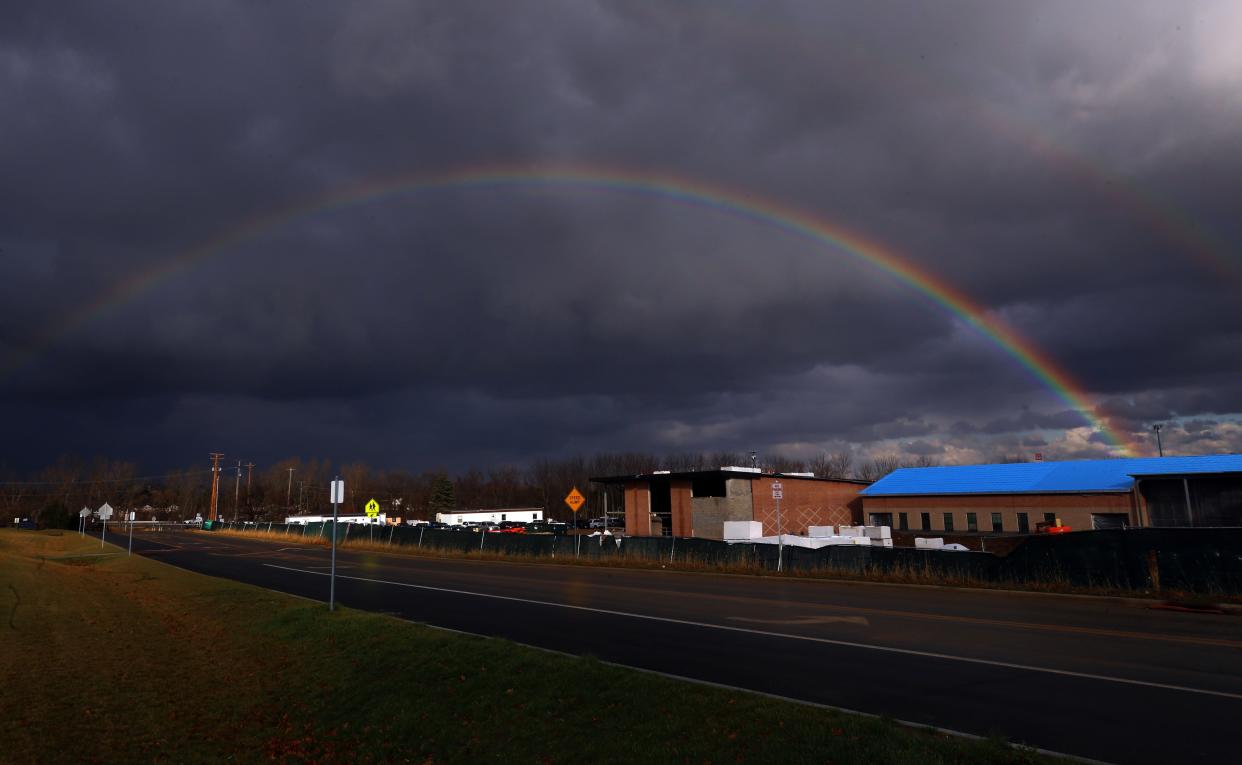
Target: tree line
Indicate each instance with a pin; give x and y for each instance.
(52, 496)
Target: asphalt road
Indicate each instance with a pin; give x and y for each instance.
(1106, 679)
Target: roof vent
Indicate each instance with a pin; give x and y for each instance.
(736, 469)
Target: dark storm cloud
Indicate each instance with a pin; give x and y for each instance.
(1074, 174)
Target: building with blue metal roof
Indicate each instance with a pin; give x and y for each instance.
(1083, 494)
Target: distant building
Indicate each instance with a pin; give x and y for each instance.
(519, 514)
(1083, 494)
(697, 503)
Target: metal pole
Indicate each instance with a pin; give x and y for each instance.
(237, 490)
(421, 529)
(1159, 444)
(131, 533)
(780, 542)
(1190, 513)
(332, 586)
(390, 532)
(289, 491)
(104, 535)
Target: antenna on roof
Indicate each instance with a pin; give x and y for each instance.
(754, 460)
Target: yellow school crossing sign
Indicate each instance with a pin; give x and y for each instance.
(575, 499)
(372, 509)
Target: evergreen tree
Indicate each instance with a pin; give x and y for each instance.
(443, 499)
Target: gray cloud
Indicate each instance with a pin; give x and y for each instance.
(1075, 177)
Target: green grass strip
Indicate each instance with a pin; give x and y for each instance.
(129, 660)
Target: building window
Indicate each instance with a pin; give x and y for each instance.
(1024, 524)
(948, 521)
(996, 522)
(708, 486)
(904, 520)
(972, 521)
(925, 518)
(1050, 519)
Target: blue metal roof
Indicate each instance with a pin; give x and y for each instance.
(1045, 477)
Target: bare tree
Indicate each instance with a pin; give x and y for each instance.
(835, 465)
(878, 467)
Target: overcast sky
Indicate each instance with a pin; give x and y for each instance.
(1075, 168)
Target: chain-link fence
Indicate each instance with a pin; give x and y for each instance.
(1191, 560)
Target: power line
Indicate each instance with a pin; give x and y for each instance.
(105, 480)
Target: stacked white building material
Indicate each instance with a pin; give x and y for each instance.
(743, 531)
(880, 536)
(817, 536)
(929, 543)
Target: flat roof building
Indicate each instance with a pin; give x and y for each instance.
(697, 503)
(1083, 494)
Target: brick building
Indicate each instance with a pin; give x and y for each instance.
(1083, 494)
(696, 504)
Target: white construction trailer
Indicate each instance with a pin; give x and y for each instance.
(302, 520)
(519, 514)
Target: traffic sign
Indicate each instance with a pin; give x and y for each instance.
(105, 511)
(84, 512)
(372, 509)
(777, 490)
(575, 499)
(338, 492)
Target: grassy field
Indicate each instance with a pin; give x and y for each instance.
(112, 659)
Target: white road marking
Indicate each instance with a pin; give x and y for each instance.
(787, 636)
(806, 620)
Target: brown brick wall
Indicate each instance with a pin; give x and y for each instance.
(806, 503)
(1074, 510)
(637, 509)
(679, 503)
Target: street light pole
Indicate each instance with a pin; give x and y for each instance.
(1159, 444)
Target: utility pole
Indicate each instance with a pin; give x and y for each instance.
(1159, 444)
(289, 492)
(236, 490)
(249, 475)
(215, 483)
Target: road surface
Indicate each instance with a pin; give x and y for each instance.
(1106, 679)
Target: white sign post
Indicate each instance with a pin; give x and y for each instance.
(338, 496)
(82, 520)
(105, 512)
(777, 494)
(131, 532)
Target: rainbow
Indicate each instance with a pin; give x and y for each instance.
(687, 191)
